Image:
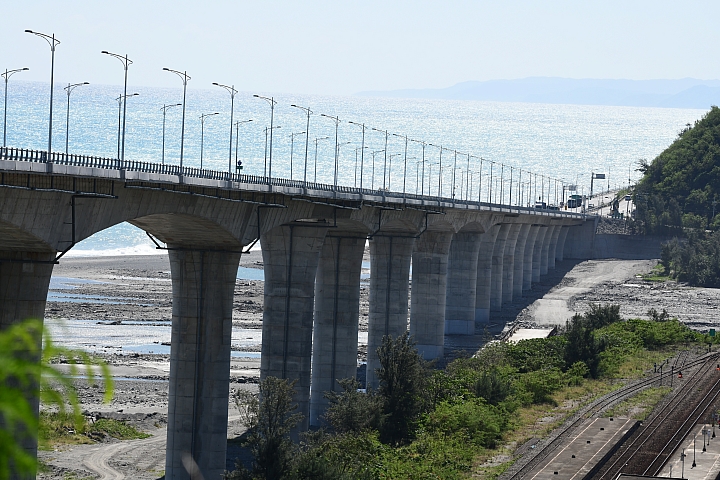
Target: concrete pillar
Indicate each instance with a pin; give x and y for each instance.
(508, 279)
(560, 249)
(24, 282)
(545, 252)
(483, 287)
(203, 283)
(335, 330)
(519, 265)
(290, 256)
(429, 286)
(580, 242)
(537, 253)
(553, 246)
(528, 261)
(389, 281)
(462, 279)
(497, 267)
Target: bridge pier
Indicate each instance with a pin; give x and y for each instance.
(389, 281)
(560, 249)
(545, 252)
(519, 265)
(553, 246)
(497, 267)
(24, 282)
(537, 253)
(483, 288)
(429, 288)
(203, 284)
(528, 257)
(290, 256)
(461, 284)
(335, 329)
(508, 275)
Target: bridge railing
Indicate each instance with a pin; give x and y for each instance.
(89, 161)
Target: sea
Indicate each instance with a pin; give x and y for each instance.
(565, 142)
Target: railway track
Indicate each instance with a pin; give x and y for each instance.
(523, 468)
(647, 450)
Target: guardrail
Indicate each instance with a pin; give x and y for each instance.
(89, 161)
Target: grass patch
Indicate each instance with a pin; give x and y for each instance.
(657, 274)
(640, 405)
(61, 429)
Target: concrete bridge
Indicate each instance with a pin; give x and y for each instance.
(468, 258)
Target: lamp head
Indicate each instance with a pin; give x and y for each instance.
(105, 52)
(29, 31)
(86, 83)
(26, 68)
(256, 96)
(166, 69)
(215, 83)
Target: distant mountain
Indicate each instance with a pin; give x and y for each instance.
(682, 93)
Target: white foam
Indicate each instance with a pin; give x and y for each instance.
(117, 252)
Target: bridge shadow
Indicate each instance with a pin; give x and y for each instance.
(457, 346)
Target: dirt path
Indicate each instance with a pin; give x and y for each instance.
(98, 460)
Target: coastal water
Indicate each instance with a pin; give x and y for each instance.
(566, 142)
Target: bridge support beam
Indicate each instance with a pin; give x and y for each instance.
(429, 287)
(483, 288)
(461, 284)
(497, 267)
(545, 252)
(335, 330)
(508, 275)
(519, 265)
(389, 280)
(203, 285)
(528, 261)
(290, 255)
(24, 282)
(537, 253)
(553, 246)
(560, 250)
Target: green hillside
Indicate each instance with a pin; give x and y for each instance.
(679, 187)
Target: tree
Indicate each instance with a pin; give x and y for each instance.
(353, 411)
(269, 418)
(26, 374)
(402, 375)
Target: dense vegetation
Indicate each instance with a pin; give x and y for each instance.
(681, 187)
(425, 423)
(696, 261)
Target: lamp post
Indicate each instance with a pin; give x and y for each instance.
(372, 178)
(387, 134)
(682, 460)
(362, 152)
(53, 42)
(362, 149)
(389, 173)
(308, 112)
(423, 145)
(126, 62)
(238, 165)
(231, 90)
(121, 101)
(292, 145)
(164, 111)
(202, 134)
(440, 147)
(453, 174)
(185, 78)
(337, 124)
(694, 443)
(316, 148)
(6, 75)
(406, 159)
(272, 103)
(69, 90)
(268, 130)
(337, 171)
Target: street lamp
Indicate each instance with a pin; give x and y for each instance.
(202, 134)
(338, 160)
(308, 112)
(69, 90)
(164, 110)
(423, 145)
(53, 42)
(337, 124)
(268, 130)
(316, 148)
(372, 180)
(121, 101)
(440, 147)
(406, 159)
(272, 103)
(362, 153)
(6, 75)
(238, 165)
(232, 91)
(387, 134)
(389, 173)
(185, 78)
(126, 63)
(292, 145)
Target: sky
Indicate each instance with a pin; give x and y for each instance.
(341, 47)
